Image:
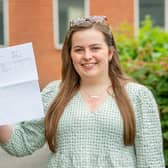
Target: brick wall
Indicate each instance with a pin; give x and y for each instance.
(117, 11)
(32, 21)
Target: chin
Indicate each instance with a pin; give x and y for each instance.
(90, 76)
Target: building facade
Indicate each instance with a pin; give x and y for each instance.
(44, 23)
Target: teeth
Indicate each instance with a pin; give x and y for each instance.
(88, 65)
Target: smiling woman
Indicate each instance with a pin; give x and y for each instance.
(91, 55)
(96, 116)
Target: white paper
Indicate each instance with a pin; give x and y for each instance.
(20, 98)
(17, 64)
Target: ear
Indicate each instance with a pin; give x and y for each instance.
(111, 53)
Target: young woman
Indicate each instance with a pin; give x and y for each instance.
(96, 116)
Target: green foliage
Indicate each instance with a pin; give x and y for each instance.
(145, 58)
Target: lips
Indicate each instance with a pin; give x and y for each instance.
(88, 65)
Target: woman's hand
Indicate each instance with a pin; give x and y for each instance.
(5, 133)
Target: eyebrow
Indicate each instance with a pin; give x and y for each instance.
(91, 45)
(96, 44)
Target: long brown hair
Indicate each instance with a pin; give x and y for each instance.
(71, 81)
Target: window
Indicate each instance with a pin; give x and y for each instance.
(156, 9)
(66, 10)
(1, 22)
(3, 37)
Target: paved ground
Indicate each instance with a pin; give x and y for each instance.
(37, 160)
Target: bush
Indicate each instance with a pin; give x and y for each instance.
(145, 58)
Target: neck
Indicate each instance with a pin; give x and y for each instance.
(95, 83)
(95, 91)
(95, 87)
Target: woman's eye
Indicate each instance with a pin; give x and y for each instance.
(78, 50)
(95, 48)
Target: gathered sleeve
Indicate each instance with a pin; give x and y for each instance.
(148, 142)
(29, 136)
(26, 138)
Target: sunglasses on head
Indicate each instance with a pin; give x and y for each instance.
(91, 19)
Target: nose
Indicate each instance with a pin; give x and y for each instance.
(87, 55)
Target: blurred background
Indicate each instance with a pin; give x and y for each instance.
(140, 28)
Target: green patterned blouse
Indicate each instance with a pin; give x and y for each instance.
(95, 139)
